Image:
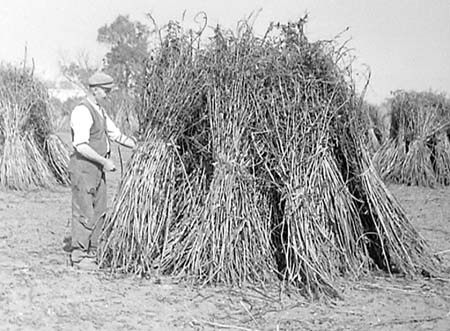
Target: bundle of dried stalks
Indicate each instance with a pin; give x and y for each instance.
(265, 174)
(31, 155)
(416, 152)
(138, 224)
(169, 94)
(225, 235)
(57, 156)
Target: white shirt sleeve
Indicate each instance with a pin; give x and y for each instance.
(112, 130)
(81, 122)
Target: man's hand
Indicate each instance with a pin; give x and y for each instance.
(89, 153)
(108, 165)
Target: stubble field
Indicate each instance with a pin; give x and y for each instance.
(38, 291)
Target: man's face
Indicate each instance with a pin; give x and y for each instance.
(101, 93)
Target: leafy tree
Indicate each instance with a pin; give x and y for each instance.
(129, 49)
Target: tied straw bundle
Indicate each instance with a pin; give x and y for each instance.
(136, 230)
(416, 152)
(31, 154)
(133, 246)
(269, 174)
(224, 236)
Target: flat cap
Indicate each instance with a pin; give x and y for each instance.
(101, 79)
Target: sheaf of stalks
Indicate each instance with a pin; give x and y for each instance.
(137, 228)
(254, 168)
(30, 155)
(416, 153)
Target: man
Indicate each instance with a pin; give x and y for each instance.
(92, 133)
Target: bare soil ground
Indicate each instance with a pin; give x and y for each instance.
(39, 292)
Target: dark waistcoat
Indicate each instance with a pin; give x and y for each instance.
(98, 141)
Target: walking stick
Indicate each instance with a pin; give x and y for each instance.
(121, 161)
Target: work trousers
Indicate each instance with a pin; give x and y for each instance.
(89, 201)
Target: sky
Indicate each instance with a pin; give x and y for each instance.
(404, 43)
